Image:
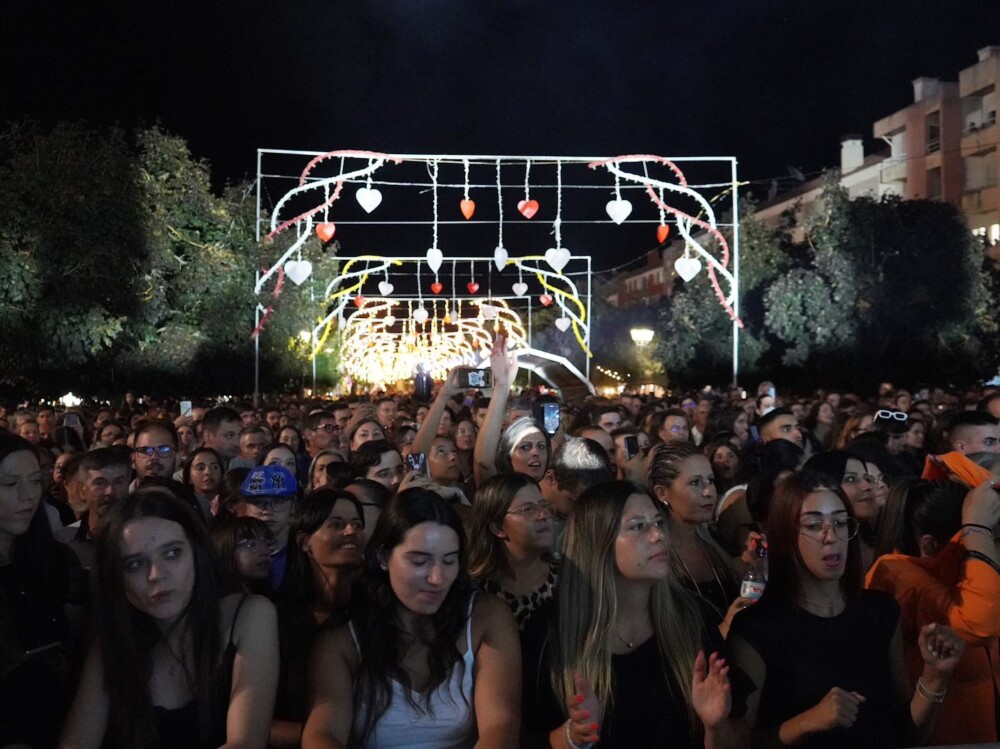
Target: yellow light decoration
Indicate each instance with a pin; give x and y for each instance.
(373, 350)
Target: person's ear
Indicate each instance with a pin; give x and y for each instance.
(496, 528)
(549, 477)
(383, 558)
(660, 492)
(302, 541)
(929, 545)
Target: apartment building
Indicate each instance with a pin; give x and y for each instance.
(977, 87)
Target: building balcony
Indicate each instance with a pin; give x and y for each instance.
(981, 199)
(894, 170)
(976, 139)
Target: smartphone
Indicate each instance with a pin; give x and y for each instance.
(631, 446)
(417, 462)
(72, 421)
(475, 378)
(186, 409)
(422, 386)
(547, 414)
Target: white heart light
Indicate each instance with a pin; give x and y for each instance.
(385, 288)
(618, 210)
(368, 198)
(520, 288)
(390, 320)
(489, 311)
(298, 270)
(687, 267)
(434, 259)
(499, 258)
(557, 258)
(562, 323)
(420, 315)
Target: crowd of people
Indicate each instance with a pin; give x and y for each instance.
(500, 568)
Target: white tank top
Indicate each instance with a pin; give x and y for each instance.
(450, 725)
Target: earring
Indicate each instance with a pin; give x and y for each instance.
(383, 566)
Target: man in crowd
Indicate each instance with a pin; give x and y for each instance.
(155, 452)
(576, 465)
(221, 431)
(253, 440)
(974, 432)
(780, 424)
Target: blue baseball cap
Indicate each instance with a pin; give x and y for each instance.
(268, 481)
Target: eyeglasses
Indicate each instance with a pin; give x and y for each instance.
(330, 428)
(279, 504)
(355, 524)
(880, 479)
(164, 451)
(897, 415)
(254, 544)
(532, 509)
(844, 528)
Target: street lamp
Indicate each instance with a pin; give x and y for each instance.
(641, 336)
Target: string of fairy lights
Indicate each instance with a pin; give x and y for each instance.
(387, 328)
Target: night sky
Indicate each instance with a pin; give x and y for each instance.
(774, 82)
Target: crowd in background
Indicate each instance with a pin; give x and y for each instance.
(502, 568)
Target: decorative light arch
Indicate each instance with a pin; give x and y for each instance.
(379, 322)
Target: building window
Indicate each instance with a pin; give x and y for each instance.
(995, 233)
(934, 183)
(933, 121)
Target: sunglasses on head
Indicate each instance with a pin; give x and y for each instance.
(887, 415)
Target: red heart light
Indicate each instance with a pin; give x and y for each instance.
(472, 286)
(437, 287)
(468, 208)
(325, 231)
(528, 208)
(545, 299)
(662, 232)
(359, 301)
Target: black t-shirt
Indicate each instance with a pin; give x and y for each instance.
(807, 655)
(647, 711)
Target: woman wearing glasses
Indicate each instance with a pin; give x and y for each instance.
(818, 661)
(243, 547)
(324, 560)
(510, 554)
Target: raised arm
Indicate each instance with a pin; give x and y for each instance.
(428, 429)
(255, 675)
(504, 367)
(330, 691)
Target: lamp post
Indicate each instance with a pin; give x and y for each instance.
(308, 337)
(641, 336)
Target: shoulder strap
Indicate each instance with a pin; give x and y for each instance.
(468, 623)
(354, 636)
(236, 614)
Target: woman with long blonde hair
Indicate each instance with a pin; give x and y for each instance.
(622, 660)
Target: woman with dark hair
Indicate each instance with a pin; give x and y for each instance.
(379, 461)
(422, 643)
(681, 479)
(510, 554)
(243, 548)
(289, 435)
(818, 427)
(173, 664)
(818, 660)
(323, 563)
(623, 661)
(42, 593)
(373, 497)
(853, 475)
(361, 430)
(941, 564)
(280, 454)
(726, 463)
(465, 443)
(203, 474)
(728, 421)
(318, 475)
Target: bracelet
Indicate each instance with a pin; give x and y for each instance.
(569, 740)
(968, 530)
(934, 697)
(978, 528)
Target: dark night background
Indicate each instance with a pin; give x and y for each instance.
(774, 82)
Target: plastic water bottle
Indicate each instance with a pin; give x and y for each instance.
(755, 579)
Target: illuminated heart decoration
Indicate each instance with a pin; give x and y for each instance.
(298, 270)
(618, 210)
(687, 267)
(662, 232)
(385, 288)
(545, 299)
(368, 198)
(420, 315)
(489, 311)
(359, 301)
(520, 288)
(437, 287)
(390, 320)
(325, 231)
(562, 323)
(472, 286)
(468, 208)
(434, 259)
(528, 208)
(557, 258)
(499, 258)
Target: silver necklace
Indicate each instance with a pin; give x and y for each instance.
(625, 642)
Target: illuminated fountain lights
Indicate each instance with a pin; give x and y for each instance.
(381, 343)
